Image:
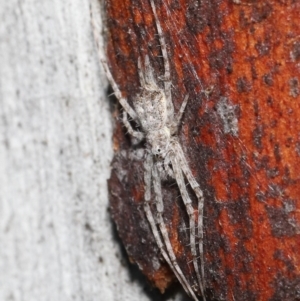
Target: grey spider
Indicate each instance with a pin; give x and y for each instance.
(153, 112)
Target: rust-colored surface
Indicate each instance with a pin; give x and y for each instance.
(240, 64)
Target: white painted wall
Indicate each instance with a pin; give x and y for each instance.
(56, 238)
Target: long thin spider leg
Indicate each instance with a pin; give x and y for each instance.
(148, 166)
(175, 124)
(181, 110)
(167, 167)
(149, 77)
(177, 168)
(139, 135)
(141, 74)
(164, 232)
(167, 76)
(123, 101)
(199, 193)
(164, 169)
(162, 172)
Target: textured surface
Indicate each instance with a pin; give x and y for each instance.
(240, 64)
(56, 236)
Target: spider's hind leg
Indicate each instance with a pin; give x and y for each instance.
(165, 236)
(180, 165)
(149, 167)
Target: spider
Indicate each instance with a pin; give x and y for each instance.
(153, 112)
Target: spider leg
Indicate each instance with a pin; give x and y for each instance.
(180, 158)
(164, 169)
(149, 77)
(164, 233)
(162, 172)
(139, 135)
(190, 211)
(148, 165)
(176, 121)
(181, 110)
(167, 75)
(123, 101)
(141, 74)
(168, 169)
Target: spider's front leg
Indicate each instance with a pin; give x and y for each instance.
(123, 101)
(167, 73)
